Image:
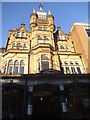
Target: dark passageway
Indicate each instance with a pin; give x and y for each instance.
(46, 102)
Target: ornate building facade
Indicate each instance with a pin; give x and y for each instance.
(31, 52)
(38, 70)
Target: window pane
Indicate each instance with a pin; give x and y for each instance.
(78, 69)
(11, 62)
(38, 67)
(22, 70)
(19, 45)
(10, 69)
(67, 70)
(16, 70)
(73, 70)
(17, 62)
(45, 65)
(19, 34)
(23, 34)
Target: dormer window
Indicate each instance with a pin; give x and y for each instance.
(24, 34)
(61, 37)
(19, 34)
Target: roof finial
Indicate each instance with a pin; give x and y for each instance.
(49, 12)
(41, 7)
(34, 10)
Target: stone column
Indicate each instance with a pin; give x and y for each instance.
(29, 109)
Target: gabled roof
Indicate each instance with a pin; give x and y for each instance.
(21, 28)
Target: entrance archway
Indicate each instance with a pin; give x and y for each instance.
(46, 102)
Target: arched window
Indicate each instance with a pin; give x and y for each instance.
(45, 62)
(10, 67)
(16, 68)
(22, 67)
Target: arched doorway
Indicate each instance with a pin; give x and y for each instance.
(46, 102)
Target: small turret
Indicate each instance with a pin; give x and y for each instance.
(51, 21)
(33, 20)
